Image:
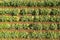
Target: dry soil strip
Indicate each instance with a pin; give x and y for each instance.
(29, 22)
(20, 7)
(27, 30)
(26, 39)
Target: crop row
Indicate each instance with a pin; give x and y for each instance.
(39, 26)
(42, 11)
(30, 3)
(30, 35)
(30, 18)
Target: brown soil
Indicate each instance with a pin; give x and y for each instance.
(29, 22)
(27, 30)
(32, 0)
(21, 7)
(25, 39)
(16, 22)
(28, 15)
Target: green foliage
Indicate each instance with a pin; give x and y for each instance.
(45, 27)
(23, 12)
(31, 26)
(23, 35)
(44, 11)
(26, 18)
(58, 26)
(30, 18)
(15, 12)
(36, 18)
(52, 18)
(29, 3)
(36, 26)
(15, 34)
(58, 19)
(53, 27)
(55, 11)
(37, 15)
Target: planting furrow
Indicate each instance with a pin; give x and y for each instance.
(27, 30)
(21, 7)
(29, 22)
(26, 39)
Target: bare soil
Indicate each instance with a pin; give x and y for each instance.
(26, 39)
(27, 30)
(21, 7)
(19, 15)
(29, 22)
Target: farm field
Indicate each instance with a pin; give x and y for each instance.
(29, 19)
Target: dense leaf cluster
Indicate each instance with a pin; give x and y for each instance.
(30, 35)
(30, 3)
(42, 11)
(30, 18)
(40, 26)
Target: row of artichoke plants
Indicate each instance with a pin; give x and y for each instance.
(39, 26)
(24, 11)
(39, 35)
(30, 18)
(30, 3)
